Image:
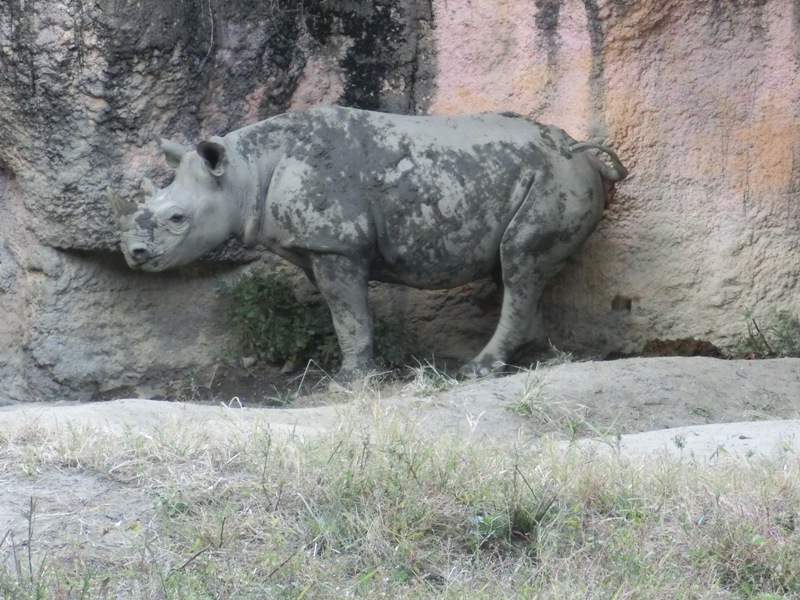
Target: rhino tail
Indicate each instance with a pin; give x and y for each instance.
(613, 173)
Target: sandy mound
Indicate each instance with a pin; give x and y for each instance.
(698, 407)
(702, 410)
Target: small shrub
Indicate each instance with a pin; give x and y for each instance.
(271, 323)
(777, 336)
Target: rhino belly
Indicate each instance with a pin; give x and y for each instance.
(430, 276)
(434, 258)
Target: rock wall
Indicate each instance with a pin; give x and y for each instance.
(700, 99)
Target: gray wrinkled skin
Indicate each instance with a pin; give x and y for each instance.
(351, 196)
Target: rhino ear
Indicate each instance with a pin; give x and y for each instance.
(215, 155)
(173, 151)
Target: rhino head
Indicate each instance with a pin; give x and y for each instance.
(171, 227)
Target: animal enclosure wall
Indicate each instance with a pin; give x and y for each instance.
(699, 99)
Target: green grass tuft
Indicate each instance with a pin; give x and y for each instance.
(775, 336)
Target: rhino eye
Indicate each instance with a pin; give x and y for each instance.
(177, 218)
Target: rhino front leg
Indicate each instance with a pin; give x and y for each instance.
(343, 283)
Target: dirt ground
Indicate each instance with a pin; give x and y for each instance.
(698, 408)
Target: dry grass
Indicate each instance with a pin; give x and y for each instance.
(426, 380)
(386, 512)
(537, 404)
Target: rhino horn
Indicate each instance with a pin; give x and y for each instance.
(173, 151)
(119, 205)
(148, 188)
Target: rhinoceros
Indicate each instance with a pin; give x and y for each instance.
(351, 196)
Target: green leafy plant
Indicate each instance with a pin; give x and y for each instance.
(777, 336)
(271, 323)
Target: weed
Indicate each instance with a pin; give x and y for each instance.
(557, 358)
(532, 402)
(174, 506)
(777, 336)
(767, 407)
(29, 579)
(427, 380)
(280, 397)
(535, 404)
(701, 411)
(273, 325)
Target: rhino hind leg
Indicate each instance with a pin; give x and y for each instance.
(343, 284)
(520, 323)
(533, 249)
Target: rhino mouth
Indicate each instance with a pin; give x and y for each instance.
(151, 265)
(139, 262)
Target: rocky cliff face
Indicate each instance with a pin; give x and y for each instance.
(700, 99)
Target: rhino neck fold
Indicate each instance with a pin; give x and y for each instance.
(253, 212)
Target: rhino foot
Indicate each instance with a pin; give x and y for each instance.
(482, 368)
(355, 379)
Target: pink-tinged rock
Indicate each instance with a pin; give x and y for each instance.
(491, 57)
(700, 99)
